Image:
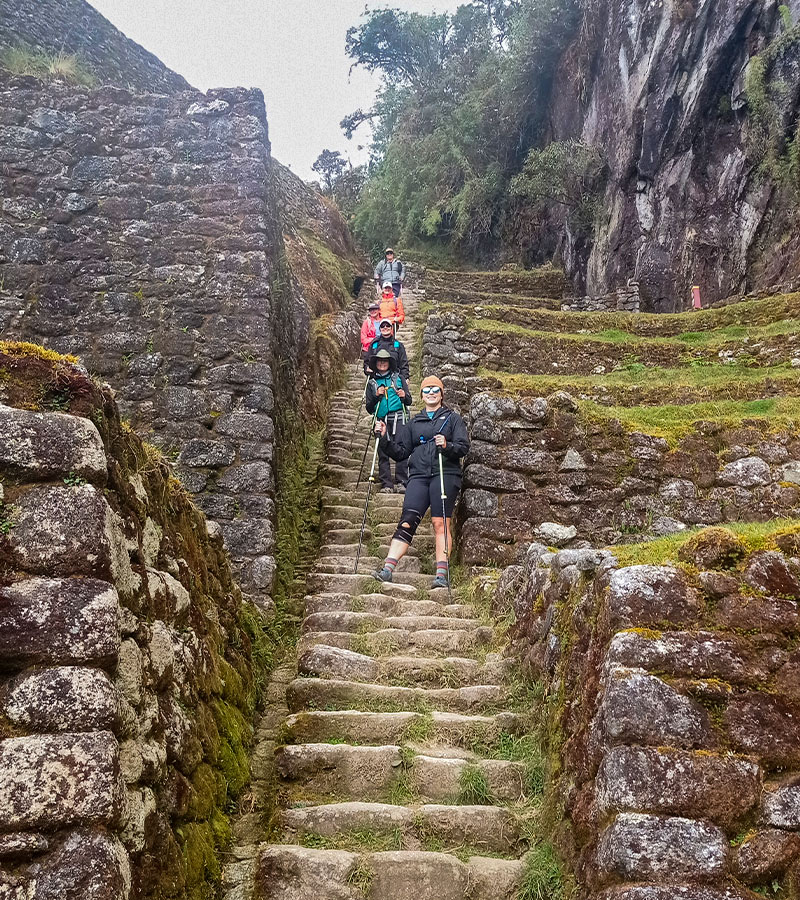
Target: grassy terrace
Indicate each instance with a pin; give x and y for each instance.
(657, 373)
(735, 320)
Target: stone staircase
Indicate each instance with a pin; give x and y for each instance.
(394, 777)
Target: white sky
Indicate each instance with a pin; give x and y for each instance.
(292, 49)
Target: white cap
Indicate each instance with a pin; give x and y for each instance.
(387, 283)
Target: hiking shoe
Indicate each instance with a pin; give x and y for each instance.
(383, 574)
(399, 489)
(439, 581)
(387, 490)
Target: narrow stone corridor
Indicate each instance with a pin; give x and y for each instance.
(395, 778)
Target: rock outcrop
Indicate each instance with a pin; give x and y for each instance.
(661, 90)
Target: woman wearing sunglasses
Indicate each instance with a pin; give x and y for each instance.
(434, 432)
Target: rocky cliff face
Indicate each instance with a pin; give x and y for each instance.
(660, 88)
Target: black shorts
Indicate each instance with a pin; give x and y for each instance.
(423, 491)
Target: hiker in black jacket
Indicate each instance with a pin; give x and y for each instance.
(435, 431)
(387, 341)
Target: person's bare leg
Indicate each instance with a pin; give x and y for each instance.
(397, 549)
(444, 543)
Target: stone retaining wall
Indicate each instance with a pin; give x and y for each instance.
(671, 715)
(625, 299)
(126, 673)
(141, 233)
(537, 471)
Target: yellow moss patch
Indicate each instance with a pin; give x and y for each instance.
(24, 348)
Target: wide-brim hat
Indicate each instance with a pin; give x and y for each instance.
(383, 353)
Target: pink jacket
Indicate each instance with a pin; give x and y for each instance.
(369, 331)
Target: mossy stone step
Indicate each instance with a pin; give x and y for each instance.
(370, 773)
(325, 661)
(384, 605)
(319, 582)
(487, 829)
(355, 726)
(286, 872)
(362, 622)
(387, 641)
(320, 693)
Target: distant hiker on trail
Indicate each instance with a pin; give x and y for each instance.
(387, 398)
(392, 306)
(434, 442)
(387, 341)
(369, 330)
(391, 270)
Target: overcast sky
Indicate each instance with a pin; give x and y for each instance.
(292, 49)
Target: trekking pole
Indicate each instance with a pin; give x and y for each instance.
(444, 520)
(358, 416)
(370, 482)
(366, 448)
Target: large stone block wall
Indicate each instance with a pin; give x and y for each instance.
(126, 665)
(671, 715)
(140, 233)
(537, 471)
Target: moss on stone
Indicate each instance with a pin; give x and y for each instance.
(235, 736)
(199, 853)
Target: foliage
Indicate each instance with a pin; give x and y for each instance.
(773, 139)
(329, 164)
(460, 106)
(564, 172)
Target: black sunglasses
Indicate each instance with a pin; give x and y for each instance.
(431, 390)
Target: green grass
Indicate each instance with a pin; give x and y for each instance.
(542, 878)
(360, 877)
(24, 60)
(473, 788)
(673, 421)
(755, 535)
(356, 840)
(682, 343)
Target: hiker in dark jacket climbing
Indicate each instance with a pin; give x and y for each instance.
(386, 340)
(434, 432)
(387, 397)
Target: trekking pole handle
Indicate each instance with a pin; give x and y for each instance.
(374, 458)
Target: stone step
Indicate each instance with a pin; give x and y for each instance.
(339, 549)
(332, 496)
(370, 773)
(355, 726)
(322, 582)
(384, 605)
(325, 661)
(343, 562)
(321, 693)
(388, 641)
(363, 622)
(286, 872)
(486, 829)
(423, 543)
(354, 516)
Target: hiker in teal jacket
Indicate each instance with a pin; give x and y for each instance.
(387, 397)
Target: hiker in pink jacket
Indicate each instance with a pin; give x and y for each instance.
(369, 330)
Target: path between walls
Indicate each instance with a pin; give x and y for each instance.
(383, 735)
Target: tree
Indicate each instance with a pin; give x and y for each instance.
(329, 164)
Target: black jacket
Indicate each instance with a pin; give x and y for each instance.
(415, 442)
(394, 347)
